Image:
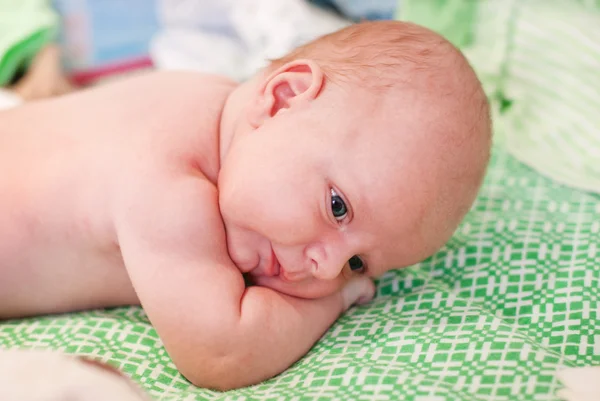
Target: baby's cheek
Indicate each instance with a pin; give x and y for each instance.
(241, 249)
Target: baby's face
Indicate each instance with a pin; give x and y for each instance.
(311, 199)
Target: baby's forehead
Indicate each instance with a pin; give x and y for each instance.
(382, 147)
(368, 110)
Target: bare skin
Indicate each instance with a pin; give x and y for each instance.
(162, 190)
(60, 250)
(90, 188)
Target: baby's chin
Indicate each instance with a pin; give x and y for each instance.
(244, 263)
(308, 289)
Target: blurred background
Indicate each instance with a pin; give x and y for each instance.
(101, 39)
(538, 60)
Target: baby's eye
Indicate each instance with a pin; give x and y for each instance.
(356, 264)
(338, 207)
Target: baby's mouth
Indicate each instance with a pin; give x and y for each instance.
(272, 267)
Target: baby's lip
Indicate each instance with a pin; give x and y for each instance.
(274, 266)
(290, 277)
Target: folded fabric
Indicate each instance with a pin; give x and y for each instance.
(28, 375)
(8, 99)
(239, 37)
(539, 62)
(25, 27)
(581, 384)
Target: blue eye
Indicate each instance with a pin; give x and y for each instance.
(338, 207)
(356, 264)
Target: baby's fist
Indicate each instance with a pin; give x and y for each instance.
(359, 290)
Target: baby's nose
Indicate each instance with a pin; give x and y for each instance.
(326, 264)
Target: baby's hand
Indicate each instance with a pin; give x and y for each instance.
(359, 290)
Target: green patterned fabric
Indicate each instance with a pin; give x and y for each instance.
(512, 297)
(539, 61)
(25, 27)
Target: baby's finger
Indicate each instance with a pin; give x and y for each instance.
(359, 290)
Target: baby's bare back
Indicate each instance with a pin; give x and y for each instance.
(65, 166)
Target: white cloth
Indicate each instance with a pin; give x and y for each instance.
(237, 37)
(8, 99)
(581, 384)
(29, 375)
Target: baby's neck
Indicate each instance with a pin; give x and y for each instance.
(234, 113)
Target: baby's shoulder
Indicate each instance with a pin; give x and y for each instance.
(162, 99)
(174, 85)
(176, 116)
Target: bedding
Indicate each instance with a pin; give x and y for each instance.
(512, 298)
(539, 62)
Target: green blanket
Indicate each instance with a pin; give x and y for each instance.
(512, 297)
(539, 61)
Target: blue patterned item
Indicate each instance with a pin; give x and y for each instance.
(363, 9)
(97, 33)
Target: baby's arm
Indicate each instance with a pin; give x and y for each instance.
(219, 333)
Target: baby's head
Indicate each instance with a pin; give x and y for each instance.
(357, 153)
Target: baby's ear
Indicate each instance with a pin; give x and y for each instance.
(292, 84)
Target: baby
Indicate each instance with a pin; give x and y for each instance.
(355, 154)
